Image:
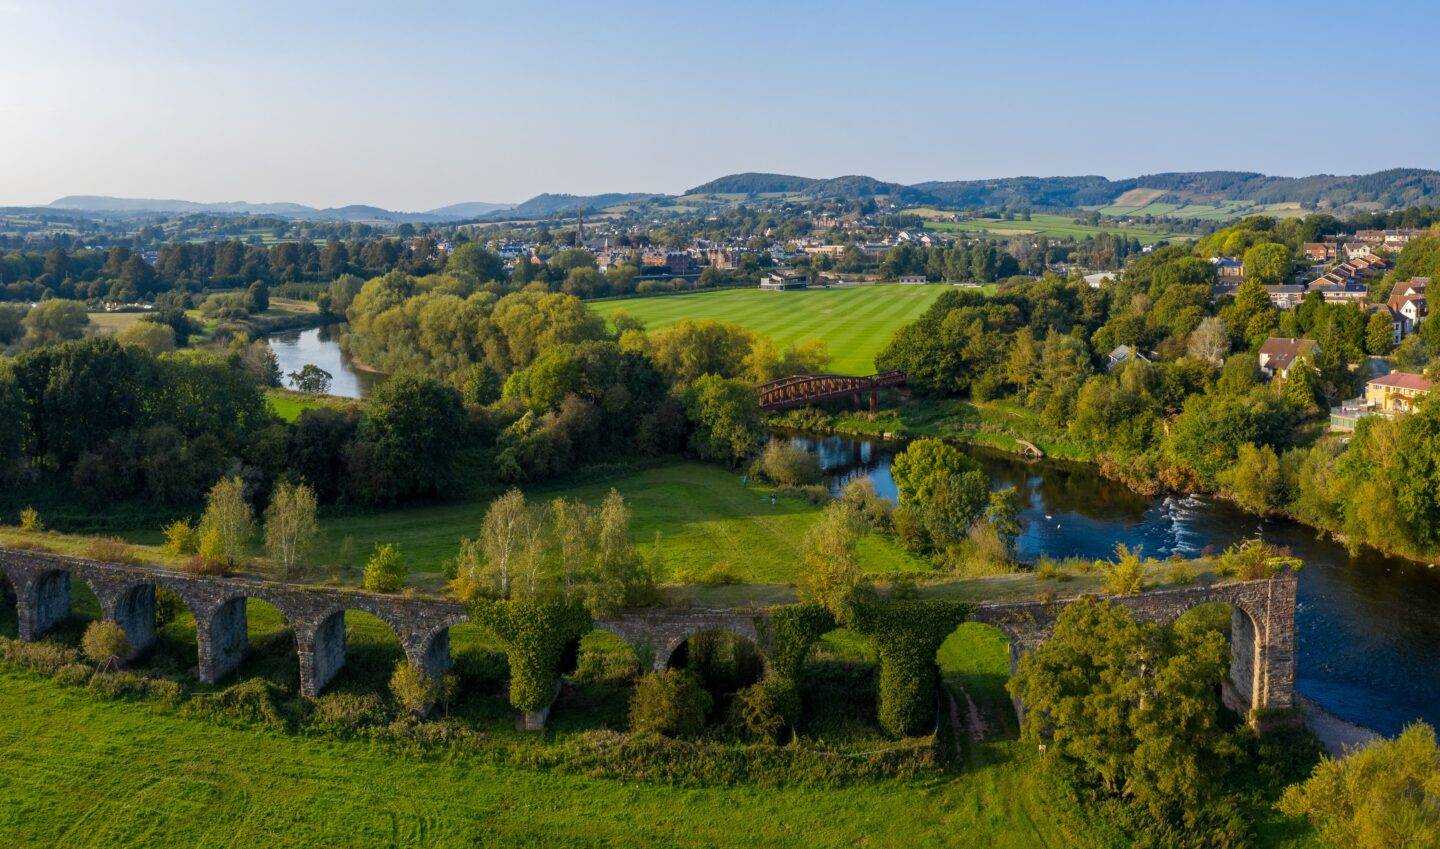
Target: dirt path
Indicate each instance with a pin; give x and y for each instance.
(973, 726)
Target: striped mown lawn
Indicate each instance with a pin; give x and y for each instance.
(855, 323)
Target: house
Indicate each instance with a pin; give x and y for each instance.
(1354, 249)
(1336, 290)
(1320, 251)
(785, 280)
(678, 263)
(1279, 353)
(913, 278)
(1408, 305)
(1094, 280)
(1397, 393)
(1228, 267)
(1286, 295)
(1123, 354)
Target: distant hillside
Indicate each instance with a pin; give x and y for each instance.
(473, 209)
(102, 203)
(1384, 189)
(546, 205)
(755, 183)
(354, 212)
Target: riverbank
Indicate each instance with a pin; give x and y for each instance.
(1007, 427)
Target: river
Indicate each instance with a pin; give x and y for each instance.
(1368, 626)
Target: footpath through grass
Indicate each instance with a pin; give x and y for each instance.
(856, 323)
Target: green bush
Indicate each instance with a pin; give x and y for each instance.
(708, 764)
(416, 691)
(767, 710)
(788, 464)
(345, 713)
(133, 685)
(182, 537)
(44, 656)
(249, 703)
(104, 643)
(385, 571)
(907, 634)
(672, 703)
(535, 634)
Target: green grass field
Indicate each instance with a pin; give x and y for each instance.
(84, 773)
(1227, 210)
(1053, 226)
(705, 518)
(855, 323)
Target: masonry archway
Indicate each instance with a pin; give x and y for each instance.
(725, 662)
(975, 664)
(247, 636)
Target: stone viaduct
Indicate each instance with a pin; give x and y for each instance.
(1262, 631)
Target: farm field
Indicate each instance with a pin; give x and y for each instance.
(1227, 210)
(856, 323)
(1045, 224)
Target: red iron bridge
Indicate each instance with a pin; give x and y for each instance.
(804, 389)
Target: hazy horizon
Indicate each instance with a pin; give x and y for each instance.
(417, 108)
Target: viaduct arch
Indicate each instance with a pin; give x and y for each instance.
(1262, 638)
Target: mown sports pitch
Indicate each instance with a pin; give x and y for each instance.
(854, 322)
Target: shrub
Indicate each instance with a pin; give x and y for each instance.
(249, 703)
(671, 703)
(30, 520)
(813, 493)
(132, 685)
(860, 493)
(345, 713)
(614, 666)
(1254, 559)
(788, 464)
(766, 710)
(43, 656)
(74, 674)
(415, 690)
(210, 557)
(182, 537)
(385, 570)
(110, 550)
(1126, 576)
(105, 643)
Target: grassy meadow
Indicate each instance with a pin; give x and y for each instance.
(1225, 210)
(856, 323)
(709, 525)
(1045, 224)
(86, 772)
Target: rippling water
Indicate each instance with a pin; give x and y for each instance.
(1368, 626)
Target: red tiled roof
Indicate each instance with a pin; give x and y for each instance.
(1405, 380)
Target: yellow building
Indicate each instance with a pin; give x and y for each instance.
(1397, 392)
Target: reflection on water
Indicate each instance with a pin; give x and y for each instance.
(320, 346)
(1368, 626)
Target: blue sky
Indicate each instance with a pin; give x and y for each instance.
(412, 106)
